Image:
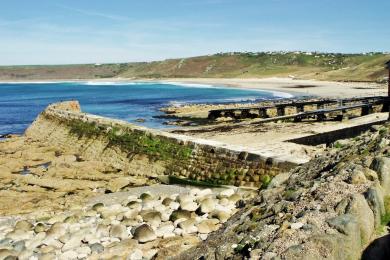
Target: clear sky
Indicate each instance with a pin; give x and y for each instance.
(91, 31)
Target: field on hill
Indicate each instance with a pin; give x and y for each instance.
(322, 66)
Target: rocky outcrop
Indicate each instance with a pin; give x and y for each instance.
(320, 212)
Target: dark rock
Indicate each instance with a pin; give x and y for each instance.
(379, 249)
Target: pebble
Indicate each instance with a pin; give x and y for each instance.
(207, 205)
(118, 231)
(137, 254)
(297, 225)
(167, 201)
(144, 233)
(85, 250)
(73, 242)
(188, 226)
(178, 214)
(208, 226)
(56, 230)
(68, 255)
(23, 225)
(188, 205)
(165, 229)
(19, 246)
(226, 193)
(39, 227)
(223, 216)
(146, 218)
(153, 218)
(96, 248)
(134, 205)
(146, 197)
(149, 254)
(203, 236)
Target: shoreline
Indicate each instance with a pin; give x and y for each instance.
(296, 87)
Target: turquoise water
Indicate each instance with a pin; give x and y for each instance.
(20, 103)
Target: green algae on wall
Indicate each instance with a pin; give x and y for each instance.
(133, 141)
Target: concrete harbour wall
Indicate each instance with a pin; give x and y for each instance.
(174, 155)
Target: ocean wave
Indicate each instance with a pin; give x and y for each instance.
(189, 85)
(35, 82)
(243, 99)
(175, 103)
(281, 94)
(114, 83)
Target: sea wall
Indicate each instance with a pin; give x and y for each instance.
(333, 136)
(152, 153)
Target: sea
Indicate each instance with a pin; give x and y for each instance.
(21, 102)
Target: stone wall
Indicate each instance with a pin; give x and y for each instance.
(175, 155)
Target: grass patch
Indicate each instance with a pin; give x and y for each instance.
(383, 131)
(265, 181)
(385, 219)
(338, 145)
(82, 129)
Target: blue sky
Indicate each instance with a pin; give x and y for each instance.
(90, 31)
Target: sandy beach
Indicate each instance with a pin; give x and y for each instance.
(295, 86)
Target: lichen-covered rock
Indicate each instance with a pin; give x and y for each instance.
(374, 197)
(382, 166)
(364, 216)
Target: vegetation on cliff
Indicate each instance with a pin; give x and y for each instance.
(322, 66)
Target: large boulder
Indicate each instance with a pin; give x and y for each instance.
(374, 197)
(359, 208)
(382, 166)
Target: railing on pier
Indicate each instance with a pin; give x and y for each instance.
(322, 106)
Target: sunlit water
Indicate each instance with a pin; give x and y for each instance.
(20, 103)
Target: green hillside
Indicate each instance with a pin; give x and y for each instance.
(322, 66)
